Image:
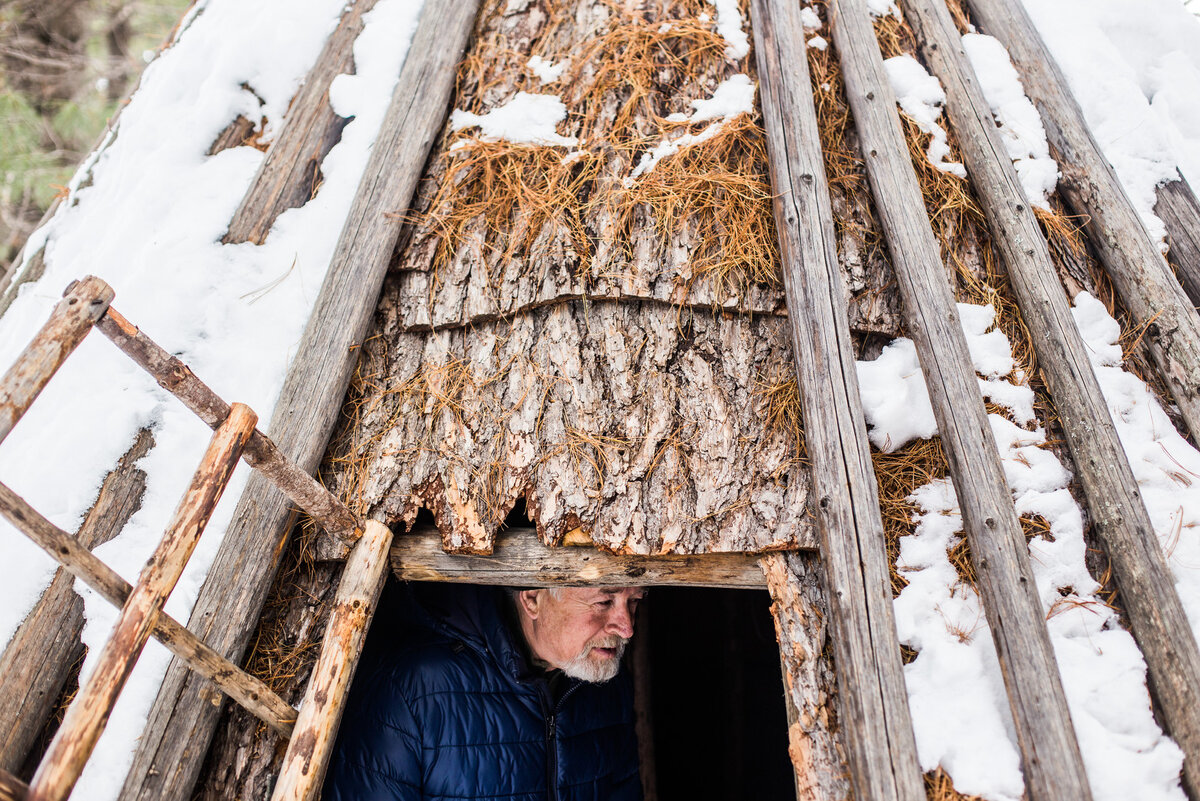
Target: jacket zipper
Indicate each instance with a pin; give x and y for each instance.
(552, 739)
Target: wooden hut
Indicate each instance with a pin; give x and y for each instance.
(625, 353)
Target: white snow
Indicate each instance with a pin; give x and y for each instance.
(149, 221)
(526, 119)
(958, 703)
(921, 97)
(1019, 122)
(730, 26)
(818, 42)
(1134, 67)
(734, 96)
(810, 19)
(547, 71)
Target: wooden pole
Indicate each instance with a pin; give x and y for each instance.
(83, 303)
(288, 176)
(520, 560)
(1138, 270)
(88, 713)
(873, 699)
(181, 724)
(11, 788)
(38, 659)
(1147, 587)
(248, 691)
(260, 453)
(1052, 761)
(308, 753)
(1179, 210)
(817, 750)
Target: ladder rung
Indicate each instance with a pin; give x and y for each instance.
(246, 690)
(88, 714)
(261, 453)
(82, 305)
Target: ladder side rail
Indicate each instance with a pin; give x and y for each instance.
(82, 305)
(245, 689)
(88, 713)
(308, 752)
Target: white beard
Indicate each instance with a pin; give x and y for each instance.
(598, 672)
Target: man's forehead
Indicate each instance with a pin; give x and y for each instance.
(605, 592)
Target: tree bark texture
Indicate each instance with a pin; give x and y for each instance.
(38, 660)
(1180, 213)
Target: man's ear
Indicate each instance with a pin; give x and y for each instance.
(530, 602)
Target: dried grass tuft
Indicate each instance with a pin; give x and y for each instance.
(939, 787)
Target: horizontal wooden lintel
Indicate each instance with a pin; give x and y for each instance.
(519, 560)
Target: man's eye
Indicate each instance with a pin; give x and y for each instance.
(604, 604)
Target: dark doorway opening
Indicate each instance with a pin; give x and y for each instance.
(710, 693)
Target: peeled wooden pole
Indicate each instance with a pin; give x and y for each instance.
(308, 753)
(873, 700)
(248, 691)
(83, 303)
(88, 714)
(1178, 208)
(182, 721)
(1052, 762)
(1147, 587)
(1140, 274)
(260, 453)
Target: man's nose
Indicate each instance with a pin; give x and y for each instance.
(620, 622)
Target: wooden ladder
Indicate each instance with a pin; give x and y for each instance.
(86, 304)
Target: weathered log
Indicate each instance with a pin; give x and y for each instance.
(291, 171)
(520, 560)
(1147, 587)
(11, 788)
(88, 713)
(874, 701)
(1053, 765)
(181, 723)
(38, 660)
(308, 753)
(260, 453)
(816, 744)
(1179, 210)
(1140, 274)
(83, 303)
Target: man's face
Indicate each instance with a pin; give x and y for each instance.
(583, 631)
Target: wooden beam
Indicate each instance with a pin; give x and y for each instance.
(1114, 502)
(83, 303)
(845, 499)
(248, 691)
(11, 788)
(1140, 274)
(290, 174)
(38, 660)
(88, 713)
(181, 723)
(260, 452)
(520, 560)
(798, 605)
(307, 756)
(1179, 210)
(1053, 764)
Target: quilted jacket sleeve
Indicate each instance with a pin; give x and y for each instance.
(378, 753)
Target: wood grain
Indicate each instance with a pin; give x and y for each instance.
(1140, 274)
(182, 721)
(1114, 502)
(1179, 210)
(520, 560)
(1053, 765)
(845, 499)
(308, 753)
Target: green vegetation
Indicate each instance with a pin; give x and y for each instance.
(65, 66)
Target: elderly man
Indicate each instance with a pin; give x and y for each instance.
(495, 695)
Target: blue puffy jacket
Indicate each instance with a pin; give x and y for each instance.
(449, 709)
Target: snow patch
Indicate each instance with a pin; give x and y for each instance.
(921, 97)
(526, 119)
(731, 26)
(547, 71)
